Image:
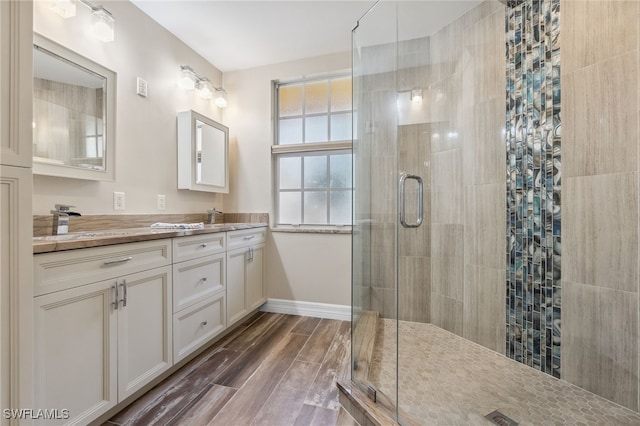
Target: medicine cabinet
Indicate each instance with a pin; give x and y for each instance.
(203, 153)
(74, 112)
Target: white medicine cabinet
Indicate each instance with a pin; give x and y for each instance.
(203, 153)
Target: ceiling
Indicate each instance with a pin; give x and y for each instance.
(240, 34)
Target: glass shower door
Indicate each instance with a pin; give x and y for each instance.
(375, 205)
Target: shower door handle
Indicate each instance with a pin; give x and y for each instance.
(403, 179)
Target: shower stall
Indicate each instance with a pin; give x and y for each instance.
(495, 210)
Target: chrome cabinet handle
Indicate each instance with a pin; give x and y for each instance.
(203, 245)
(119, 260)
(203, 279)
(115, 302)
(124, 296)
(250, 257)
(203, 323)
(401, 200)
(249, 237)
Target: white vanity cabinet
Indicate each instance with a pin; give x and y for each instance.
(246, 262)
(108, 333)
(199, 297)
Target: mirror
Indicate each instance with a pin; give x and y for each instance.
(203, 153)
(73, 114)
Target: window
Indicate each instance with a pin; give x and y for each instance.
(313, 152)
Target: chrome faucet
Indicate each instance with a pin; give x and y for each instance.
(211, 215)
(61, 219)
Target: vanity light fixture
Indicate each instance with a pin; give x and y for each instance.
(189, 80)
(103, 22)
(64, 8)
(221, 98)
(205, 88)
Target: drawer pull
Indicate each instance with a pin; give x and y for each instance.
(203, 323)
(203, 279)
(203, 245)
(249, 237)
(120, 260)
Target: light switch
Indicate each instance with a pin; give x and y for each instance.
(141, 87)
(118, 200)
(162, 202)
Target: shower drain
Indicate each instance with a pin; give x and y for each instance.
(496, 417)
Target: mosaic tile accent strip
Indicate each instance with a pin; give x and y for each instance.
(533, 130)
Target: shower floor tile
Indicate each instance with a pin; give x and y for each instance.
(445, 379)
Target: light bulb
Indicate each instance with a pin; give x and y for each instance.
(205, 88)
(188, 78)
(221, 98)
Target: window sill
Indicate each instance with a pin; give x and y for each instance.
(344, 230)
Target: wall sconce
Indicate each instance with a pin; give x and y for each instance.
(103, 22)
(416, 96)
(189, 80)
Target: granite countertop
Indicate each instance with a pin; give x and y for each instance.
(77, 240)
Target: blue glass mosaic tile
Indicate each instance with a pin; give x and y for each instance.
(533, 130)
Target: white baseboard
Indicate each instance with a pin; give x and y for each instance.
(308, 309)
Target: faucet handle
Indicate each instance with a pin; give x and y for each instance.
(64, 208)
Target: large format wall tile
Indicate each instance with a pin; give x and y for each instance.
(601, 231)
(597, 30)
(600, 111)
(485, 218)
(447, 261)
(446, 313)
(413, 288)
(600, 341)
(484, 307)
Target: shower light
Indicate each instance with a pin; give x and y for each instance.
(64, 8)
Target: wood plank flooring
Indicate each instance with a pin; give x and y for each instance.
(274, 369)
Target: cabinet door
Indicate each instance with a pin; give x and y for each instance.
(75, 351)
(16, 82)
(144, 328)
(255, 292)
(236, 277)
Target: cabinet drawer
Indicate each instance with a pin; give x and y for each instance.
(67, 269)
(194, 246)
(246, 237)
(197, 279)
(197, 324)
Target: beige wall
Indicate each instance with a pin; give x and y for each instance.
(146, 128)
(301, 266)
(600, 141)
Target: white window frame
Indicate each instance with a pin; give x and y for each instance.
(313, 148)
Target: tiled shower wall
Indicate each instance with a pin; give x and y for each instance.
(599, 44)
(533, 129)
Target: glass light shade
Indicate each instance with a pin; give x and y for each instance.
(64, 8)
(103, 25)
(221, 98)
(416, 96)
(205, 88)
(188, 78)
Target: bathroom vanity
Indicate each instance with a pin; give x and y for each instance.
(113, 316)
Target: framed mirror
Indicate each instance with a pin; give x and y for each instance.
(74, 104)
(203, 153)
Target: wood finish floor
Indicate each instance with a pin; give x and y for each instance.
(274, 369)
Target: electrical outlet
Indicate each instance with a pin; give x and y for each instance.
(141, 87)
(118, 200)
(162, 202)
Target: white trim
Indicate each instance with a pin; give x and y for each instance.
(308, 309)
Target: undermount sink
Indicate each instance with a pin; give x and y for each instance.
(81, 236)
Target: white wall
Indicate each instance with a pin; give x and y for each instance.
(301, 266)
(146, 128)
